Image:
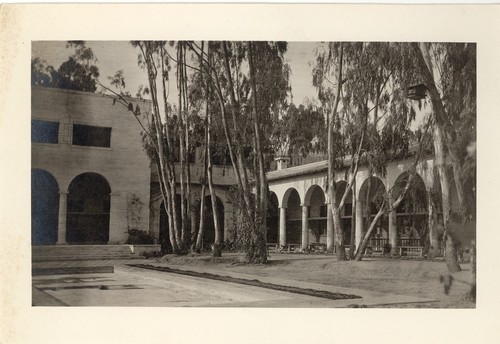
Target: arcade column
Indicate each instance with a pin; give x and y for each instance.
(282, 226)
(62, 217)
(330, 233)
(305, 226)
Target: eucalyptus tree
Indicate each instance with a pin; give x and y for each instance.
(250, 81)
(449, 72)
(300, 130)
(362, 86)
(79, 72)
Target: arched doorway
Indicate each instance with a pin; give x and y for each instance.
(44, 208)
(371, 196)
(272, 219)
(209, 230)
(412, 212)
(315, 198)
(88, 210)
(294, 217)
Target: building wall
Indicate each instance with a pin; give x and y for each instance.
(124, 164)
(223, 178)
(315, 178)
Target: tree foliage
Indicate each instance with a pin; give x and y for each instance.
(79, 72)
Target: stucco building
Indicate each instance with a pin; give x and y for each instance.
(90, 176)
(92, 181)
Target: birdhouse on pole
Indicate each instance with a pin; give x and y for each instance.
(417, 92)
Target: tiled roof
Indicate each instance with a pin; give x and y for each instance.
(319, 166)
(298, 170)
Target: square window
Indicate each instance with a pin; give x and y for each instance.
(87, 135)
(44, 131)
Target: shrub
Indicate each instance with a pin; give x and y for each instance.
(139, 237)
(151, 254)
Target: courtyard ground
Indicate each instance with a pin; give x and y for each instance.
(408, 277)
(397, 283)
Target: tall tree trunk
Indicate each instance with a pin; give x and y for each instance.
(450, 247)
(163, 164)
(168, 208)
(233, 148)
(433, 237)
(442, 123)
(332, 190)
(201, 229)
(188, 226)
(234, 111)
(166, 172)
(180, 86)
(262, 185)
(362, 246)
(368, 204)
(217, 251)
(457, 176)
(353, 224)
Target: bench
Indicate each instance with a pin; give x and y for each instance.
(404, 250)
(317, 247)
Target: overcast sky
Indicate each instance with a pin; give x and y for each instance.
(116, 55)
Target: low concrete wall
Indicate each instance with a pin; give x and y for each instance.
(139, 249)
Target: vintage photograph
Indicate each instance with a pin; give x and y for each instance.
(297, 174)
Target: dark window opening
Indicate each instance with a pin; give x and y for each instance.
(348, 209)
(44, 131)
(86, 135)
(323, 210)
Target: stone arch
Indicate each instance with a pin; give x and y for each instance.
(286, 196)
(412, 212)
(293, 205)
(88, 212)
(272, 218)
(377, 190)
(313, 189)
(371, 194)
(417, 193)
(315, 200)
(44, 207)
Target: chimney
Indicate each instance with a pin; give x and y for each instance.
(282, 162)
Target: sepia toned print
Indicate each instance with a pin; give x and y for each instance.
(253, 174)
